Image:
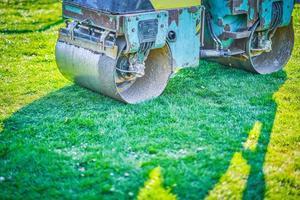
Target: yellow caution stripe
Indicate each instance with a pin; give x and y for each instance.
(171, 4)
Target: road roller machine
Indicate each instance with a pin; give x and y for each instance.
(129, 49)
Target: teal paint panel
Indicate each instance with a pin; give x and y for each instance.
(73, 9)
(266, 13)
(186, 49)
(234, 16)
(240, 7)
(224, 16)
(288, 6)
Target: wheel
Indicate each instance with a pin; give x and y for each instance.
(277, 58)
(152, 84)
(100, 73)
(263, 62)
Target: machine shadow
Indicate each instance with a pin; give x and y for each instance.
(192, 131)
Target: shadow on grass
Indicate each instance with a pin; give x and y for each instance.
(77, 144)
(42, 29)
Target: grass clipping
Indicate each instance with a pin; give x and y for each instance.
(153, 188)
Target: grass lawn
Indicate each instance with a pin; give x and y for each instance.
(215, 133)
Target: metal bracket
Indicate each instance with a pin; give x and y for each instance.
(237, 35)
(88, 37)
(146, 27)
(103, 38)
(203, 15)
(73, 25)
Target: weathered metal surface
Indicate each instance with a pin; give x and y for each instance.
(132, 6)
(93, 41)
(97, 72)
(185, 47)
(265, 13)
(240, 15)
(114, 6)
(133, 26)
(94, 17)
(236, 35)
(267, 62)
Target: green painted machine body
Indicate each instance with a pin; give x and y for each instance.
(184, 47)
(254, 35)
(239, 15)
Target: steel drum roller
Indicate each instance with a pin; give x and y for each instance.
(97, 72)
(267, 62)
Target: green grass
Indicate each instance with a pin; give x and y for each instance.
(58, 140)
(25, 16)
